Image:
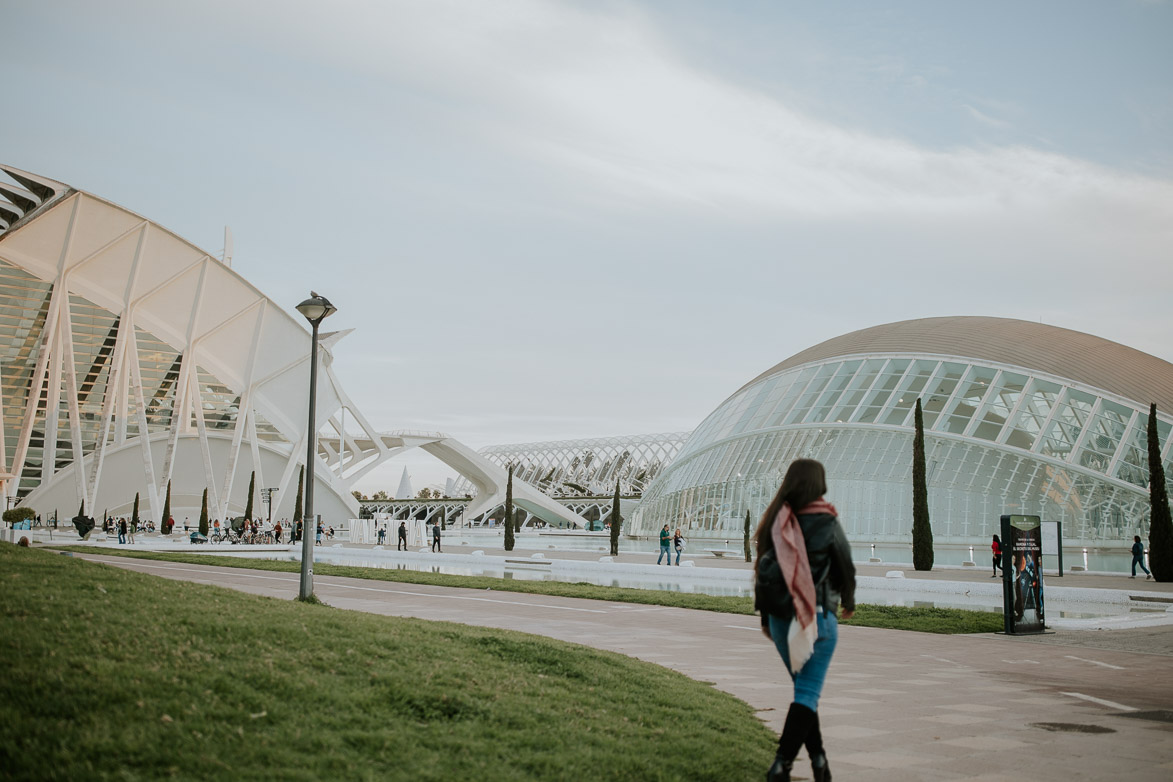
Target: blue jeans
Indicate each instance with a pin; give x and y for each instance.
(664, 552)
(1139, 561)
(678, 555)
(808, 683)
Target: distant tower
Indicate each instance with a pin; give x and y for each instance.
(404, 491)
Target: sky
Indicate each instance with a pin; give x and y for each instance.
(553, 220)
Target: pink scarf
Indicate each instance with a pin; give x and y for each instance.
(790, 548)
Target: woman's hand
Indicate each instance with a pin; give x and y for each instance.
(847, 614)
(766, 631)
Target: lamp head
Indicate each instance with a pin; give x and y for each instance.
(316, 308)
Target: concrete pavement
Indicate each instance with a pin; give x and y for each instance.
(897, 706)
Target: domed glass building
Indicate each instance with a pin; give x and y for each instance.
(1019, 417)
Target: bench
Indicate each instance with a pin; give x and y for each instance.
(721, 552)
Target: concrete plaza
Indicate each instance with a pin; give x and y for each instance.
(898, 705)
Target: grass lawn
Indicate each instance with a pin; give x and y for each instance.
(922, 619)
(117, 675)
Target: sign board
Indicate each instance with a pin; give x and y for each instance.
(1022, 574)
(1053, 542)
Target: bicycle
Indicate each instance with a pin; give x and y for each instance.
(227, 535)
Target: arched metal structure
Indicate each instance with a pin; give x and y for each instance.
(130, 359)
(588, 467)
(1020, 417)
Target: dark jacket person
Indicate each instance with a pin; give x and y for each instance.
(802, 574)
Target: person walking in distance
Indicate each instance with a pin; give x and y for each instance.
(436, 538)
(678, 544)
(802, 574)
(402, 544)
(665, 538)
(1138, 558)
(996, 549)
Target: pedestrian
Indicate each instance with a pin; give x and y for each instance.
(318, 533)
(187, 523)
(215, 526)
(678, 544)
(802, 573)
(382, 534)
(996, 548)
(277, 531)
(436, 538)
(665, 537)
(402, 544)
(131, 530)
(122, 530)
(1138, 558)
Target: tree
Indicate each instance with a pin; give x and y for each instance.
(745, 537)
(297, 513)
(358, 495)
(14, 516)
(922, 530)
(134, 514)
(248, 504)
(509, 511)
(1160, 524)
(164, 524)
(81, 509)
(616, 521)
(204, 515)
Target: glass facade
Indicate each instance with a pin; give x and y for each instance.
(999, 439)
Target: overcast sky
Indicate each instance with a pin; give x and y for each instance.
(551, 220)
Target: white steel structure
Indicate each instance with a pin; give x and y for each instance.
(130, 358)
(590, 467)
(1019, 418)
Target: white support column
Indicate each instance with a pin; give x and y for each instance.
(53, 400)
(74, 407)
(144, 434)
(205, 450)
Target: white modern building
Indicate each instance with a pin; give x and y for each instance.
(130, 360)
(1019, 417)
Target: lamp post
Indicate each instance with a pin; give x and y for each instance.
(315, 309)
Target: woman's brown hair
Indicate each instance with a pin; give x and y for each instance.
(805, 482)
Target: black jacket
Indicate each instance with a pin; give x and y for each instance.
(832, 571)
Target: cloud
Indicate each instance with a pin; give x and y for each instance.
(602, 98)
(984, 118)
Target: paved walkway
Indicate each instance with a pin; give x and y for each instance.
(897, 706)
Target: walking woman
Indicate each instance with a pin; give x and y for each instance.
(802, 573)
(996, 548)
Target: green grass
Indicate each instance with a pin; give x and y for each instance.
(921, 619)
(115, 675)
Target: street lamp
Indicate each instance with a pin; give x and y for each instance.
(315, 309)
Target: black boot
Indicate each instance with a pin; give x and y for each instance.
(794, 733)
(814, 749)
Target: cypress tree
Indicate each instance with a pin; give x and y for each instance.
(81, 509)
(616, 521)
(1160, 524)
(163, 525)
(509, 512)
(922, 530)
(248, 505)
(297, 500)
(134, 514)
(745, 537)
(204, 515)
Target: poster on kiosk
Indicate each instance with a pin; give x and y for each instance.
(1022, 574)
